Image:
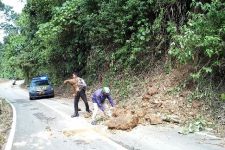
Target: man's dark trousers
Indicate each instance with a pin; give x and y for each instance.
(83, 96)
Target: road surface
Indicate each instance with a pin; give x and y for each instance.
(45, 124)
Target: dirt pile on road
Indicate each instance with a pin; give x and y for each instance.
(163, 102)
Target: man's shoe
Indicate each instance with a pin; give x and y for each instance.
(93, 122)
(89, 111)
(75, 115)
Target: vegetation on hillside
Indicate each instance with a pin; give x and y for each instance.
(201, 40)
(89, 36)
(57, 37)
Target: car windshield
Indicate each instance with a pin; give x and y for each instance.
(41, 83)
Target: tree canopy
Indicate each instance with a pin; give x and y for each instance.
(58, 37)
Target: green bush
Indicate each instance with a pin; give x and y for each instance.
(202, 40)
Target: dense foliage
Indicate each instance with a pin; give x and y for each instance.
(93, 36)
(202, 39)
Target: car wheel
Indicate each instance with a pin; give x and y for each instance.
(32, 98)
(52, 96)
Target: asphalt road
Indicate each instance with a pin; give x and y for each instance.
(45, 124)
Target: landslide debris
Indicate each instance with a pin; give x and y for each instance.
(163, 102)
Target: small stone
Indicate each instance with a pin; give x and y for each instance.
(141, 113)
(171, 118)
(155, 120)
(146, 97)
(152, 91)
(196, 104)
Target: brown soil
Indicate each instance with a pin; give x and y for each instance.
(5, 121)
(161, 103)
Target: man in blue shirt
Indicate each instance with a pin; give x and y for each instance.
(98, 99)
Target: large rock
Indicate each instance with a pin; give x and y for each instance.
(122, 120)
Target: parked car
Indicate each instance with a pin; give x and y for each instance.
(40, 87)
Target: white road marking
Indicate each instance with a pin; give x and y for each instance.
(13, 129)
(64, 115)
